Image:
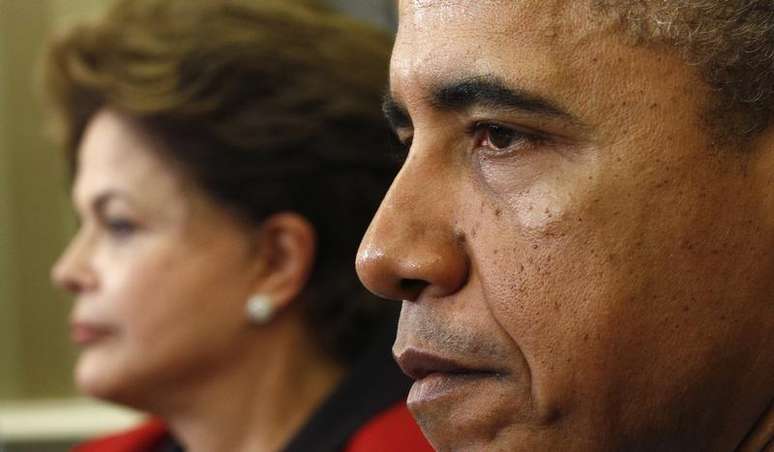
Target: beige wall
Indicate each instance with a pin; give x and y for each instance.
(35, 219)
(8, 311)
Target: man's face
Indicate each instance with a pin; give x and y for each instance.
(583, 268)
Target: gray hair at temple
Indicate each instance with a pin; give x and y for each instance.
(731, 42)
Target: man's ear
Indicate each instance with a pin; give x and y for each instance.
(286, 253)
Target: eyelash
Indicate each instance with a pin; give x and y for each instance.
(400, 148)
(477, 130)
(518, 139)
(120, 228)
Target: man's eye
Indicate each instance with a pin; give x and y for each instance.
(500, 138)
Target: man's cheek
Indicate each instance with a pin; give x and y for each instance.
(538, 282)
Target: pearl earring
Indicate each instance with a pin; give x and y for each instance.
(259, 309)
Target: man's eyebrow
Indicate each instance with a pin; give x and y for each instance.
(395, 113)
(492, 92)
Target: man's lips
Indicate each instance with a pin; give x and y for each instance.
(417, 364)
(440, 378)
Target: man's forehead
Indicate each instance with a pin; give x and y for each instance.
(466, 4)
(460, 10)
(510, 39)
(458, 21)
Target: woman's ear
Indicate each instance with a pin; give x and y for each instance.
(286, 251)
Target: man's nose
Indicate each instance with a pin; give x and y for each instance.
(411, 247)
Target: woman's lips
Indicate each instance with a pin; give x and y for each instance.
(84, 334)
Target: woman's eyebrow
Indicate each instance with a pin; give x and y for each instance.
(101, 201)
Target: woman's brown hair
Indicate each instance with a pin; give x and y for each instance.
(268, 105)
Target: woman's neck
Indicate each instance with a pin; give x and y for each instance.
(258, 402)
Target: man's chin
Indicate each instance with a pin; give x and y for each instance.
(467, 412)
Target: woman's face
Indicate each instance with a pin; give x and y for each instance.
(160, 273)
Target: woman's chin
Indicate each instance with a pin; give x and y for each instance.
(89, 382)
(97, 377)
(118, 378)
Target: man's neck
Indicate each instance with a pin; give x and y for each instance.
(761, 437)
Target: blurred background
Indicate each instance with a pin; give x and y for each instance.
(39, 410)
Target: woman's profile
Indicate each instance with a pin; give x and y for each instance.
(226, 158)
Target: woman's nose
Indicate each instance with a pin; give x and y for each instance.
(72, 270)
(411, 247)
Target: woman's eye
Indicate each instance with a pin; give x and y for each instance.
(120, 228)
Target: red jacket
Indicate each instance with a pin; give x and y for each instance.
(393, 430)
